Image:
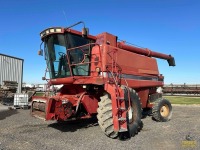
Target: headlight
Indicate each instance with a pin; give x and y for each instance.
(51, 30)
(65, 101)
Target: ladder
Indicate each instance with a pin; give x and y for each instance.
(118, 101)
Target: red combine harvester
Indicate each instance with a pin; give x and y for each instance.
(103, 77)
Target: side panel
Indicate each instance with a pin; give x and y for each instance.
(129, 62)
(136, 71)
(143, 94)
(90, 103)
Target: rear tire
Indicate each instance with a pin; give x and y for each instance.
(162, 110)
(105, 118)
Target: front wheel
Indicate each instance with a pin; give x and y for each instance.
(162, 110)
(135, 111)
(105, 118)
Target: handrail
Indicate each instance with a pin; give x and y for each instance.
(82, 63)
(82, 46)
(83, 50)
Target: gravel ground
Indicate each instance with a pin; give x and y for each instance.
(20, 131)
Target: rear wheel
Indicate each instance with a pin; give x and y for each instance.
(162, 110)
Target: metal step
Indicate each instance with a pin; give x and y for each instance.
(122, 108)
(121, 98)
(122, 119)
(123, 130)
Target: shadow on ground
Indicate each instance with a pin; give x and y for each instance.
(7, 113)
(72, 126)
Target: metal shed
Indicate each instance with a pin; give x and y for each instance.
(11, 69)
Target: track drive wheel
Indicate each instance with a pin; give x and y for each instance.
(104, 116)
(162, 110)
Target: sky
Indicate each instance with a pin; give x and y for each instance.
(170, 27)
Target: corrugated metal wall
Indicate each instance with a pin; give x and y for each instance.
(11, 69)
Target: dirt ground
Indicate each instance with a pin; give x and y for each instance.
(20, 131)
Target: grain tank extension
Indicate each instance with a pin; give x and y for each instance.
(103, 77)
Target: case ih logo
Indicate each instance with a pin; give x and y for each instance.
(189, 142)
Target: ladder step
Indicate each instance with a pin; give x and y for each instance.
(122, 108)
(123, 130)
(121, 98)
(122, 119)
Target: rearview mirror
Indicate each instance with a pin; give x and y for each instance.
(43, 78)
(85, 32)
(40, 52)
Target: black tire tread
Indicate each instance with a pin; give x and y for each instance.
(156, 110)
(105, 118)
(138, 124)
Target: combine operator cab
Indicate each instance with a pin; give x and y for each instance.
(102, 77)
(67, 54)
